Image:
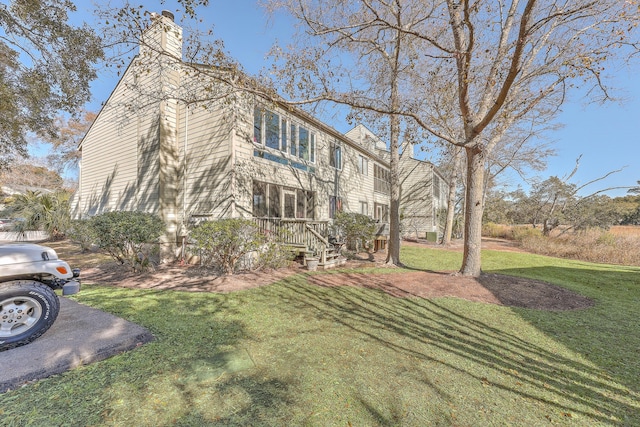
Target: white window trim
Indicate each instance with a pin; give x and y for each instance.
(332, 152)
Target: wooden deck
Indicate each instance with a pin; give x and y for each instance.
(308, 238)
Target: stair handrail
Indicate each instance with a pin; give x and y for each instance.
(323, 241)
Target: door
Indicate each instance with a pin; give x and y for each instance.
(289, 204)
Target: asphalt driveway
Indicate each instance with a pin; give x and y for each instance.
(81, 335)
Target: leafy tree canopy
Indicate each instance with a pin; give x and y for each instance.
(46, 65)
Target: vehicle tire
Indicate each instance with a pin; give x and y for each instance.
(27, 310)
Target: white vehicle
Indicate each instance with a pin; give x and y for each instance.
(29, 274)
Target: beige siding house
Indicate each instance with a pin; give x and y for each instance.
(423, 199)
(238, 156)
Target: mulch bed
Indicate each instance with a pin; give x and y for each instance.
(489, 288)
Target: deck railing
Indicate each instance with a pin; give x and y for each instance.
(308, 234)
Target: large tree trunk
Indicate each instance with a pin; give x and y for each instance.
(473, 212)
(393, 251)
(451, 197)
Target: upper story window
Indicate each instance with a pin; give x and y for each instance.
(272, 130)
(257, 125)
(436, 186)
(363, 165)
(381, 179)
(276, 132)
(303, 143)
(335, 155)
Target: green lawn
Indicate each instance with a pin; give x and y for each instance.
(295, 354)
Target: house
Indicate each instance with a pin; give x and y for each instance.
(423, 189)
(423, 198)
(153, 148)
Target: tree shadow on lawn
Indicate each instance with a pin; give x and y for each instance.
(185, 374)
(607, 334)
(512, 357)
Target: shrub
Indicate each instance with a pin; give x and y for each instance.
(223, 243)
(358, 230)
(274, 254)
(82, 232)
(48, 212)
(129, 237)
(523, 232)
(492, 229)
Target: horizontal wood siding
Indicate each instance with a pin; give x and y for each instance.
(416, 201)
(346, 183)
(119, 157)
(208, 186)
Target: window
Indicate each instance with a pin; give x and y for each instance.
(283, 138)
(303, 143)
(275, 132)
(380, 180)
(257, 125)
(436, 186)
(335, 155)
(272, 130)
(364, 208)
(293, 135)
(274, 201)
(259, 199)
(381, 212)
(363, 165)
(335, 206)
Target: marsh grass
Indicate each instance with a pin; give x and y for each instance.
(619, 245)
(351, 356)
(590, 245)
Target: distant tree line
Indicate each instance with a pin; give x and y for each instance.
(553, 203)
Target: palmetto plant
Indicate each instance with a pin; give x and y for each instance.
(48, 212)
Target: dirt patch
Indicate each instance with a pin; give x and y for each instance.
(527, 293)
(489, 288)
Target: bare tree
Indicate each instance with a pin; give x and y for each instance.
(70, 131)
(454, 174)
(372, 82)
(382, 60)
(23, 175)
(509, 61)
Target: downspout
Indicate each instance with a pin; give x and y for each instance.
(184, 183)
(184, 166)
(233, 168)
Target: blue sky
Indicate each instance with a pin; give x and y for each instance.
(605, 135)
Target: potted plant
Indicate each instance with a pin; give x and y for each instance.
(312, 261)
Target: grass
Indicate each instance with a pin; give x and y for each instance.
(296, 354)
